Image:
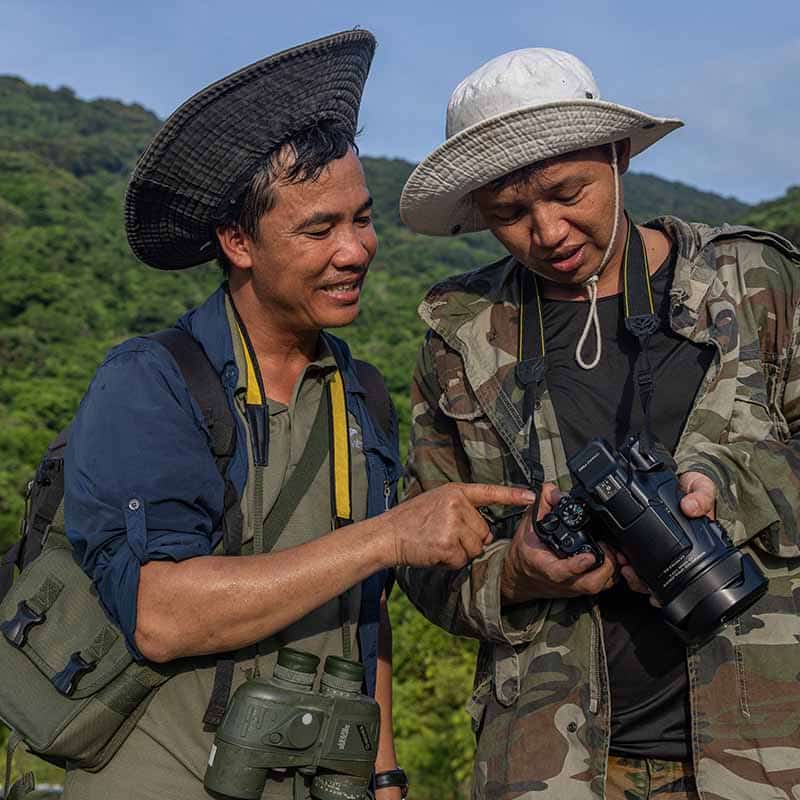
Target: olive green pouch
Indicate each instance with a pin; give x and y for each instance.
(70, 688)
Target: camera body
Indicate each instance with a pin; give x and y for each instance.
(690, 565)
(281, 723)
(565, 530)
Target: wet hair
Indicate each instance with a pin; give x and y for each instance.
(301, 157)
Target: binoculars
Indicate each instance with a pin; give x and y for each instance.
(329, 737)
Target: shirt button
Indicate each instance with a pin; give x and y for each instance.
(229, 375)
(572, 727)
(134, 504)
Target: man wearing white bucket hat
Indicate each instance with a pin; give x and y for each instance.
(582, 689)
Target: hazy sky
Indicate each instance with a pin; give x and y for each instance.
(730, 70)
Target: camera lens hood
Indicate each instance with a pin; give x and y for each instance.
(726, 589)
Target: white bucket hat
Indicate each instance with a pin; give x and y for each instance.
(519, 108)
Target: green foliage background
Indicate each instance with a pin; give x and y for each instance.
(71, 289)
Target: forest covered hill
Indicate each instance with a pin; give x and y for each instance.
(781, 215)
(71, 289)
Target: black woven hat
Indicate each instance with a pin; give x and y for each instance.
(210, 147)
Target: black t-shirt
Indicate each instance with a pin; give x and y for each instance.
(646, 660)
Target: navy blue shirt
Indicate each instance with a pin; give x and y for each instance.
(141, 483)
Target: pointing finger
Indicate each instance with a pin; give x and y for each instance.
(485, 494)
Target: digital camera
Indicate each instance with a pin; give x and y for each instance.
(632, 500)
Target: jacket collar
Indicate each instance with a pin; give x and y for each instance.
(453, 306)
(696, 266)
(208, 323)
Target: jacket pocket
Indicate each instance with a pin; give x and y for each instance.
(476, 705)
(487, 455)
(767, 658)
(458, 401)
(753, 419)
(775, 374)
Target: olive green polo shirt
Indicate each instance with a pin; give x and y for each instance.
(173, 720)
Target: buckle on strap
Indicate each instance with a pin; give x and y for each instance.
(66, 680)
(16, 629)
(645, 380)
(530, 371)
(642, 325)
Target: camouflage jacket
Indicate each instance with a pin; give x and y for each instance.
(541, 705)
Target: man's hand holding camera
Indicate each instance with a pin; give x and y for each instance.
(532, 571)
(699, 500)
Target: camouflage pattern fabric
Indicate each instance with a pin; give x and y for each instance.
(649, 779)
(541, 701)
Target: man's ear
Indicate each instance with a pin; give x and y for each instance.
(236, 245)
(623, 155)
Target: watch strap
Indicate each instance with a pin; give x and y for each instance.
(392, 777)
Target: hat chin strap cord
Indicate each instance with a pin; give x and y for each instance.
(590, 284)
(641, 322)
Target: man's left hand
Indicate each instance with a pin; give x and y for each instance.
(700, 498)
(700, 495)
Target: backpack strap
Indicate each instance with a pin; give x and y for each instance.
(377, 398)
(11, 560)
(25, 784)
(206, 388)
(43, 498)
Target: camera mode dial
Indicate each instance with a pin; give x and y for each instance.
(563, 530)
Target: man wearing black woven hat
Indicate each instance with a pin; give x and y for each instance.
(259, 169)
(593, 326)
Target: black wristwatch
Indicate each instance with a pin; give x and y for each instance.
(392, 777)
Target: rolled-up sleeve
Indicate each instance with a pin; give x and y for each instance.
(140, 481)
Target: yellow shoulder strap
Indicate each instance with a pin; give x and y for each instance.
(254, 396)
(341, 488)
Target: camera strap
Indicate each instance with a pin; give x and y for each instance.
(332, 419)
(640, 321)
(338, 439)
(530, 370)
